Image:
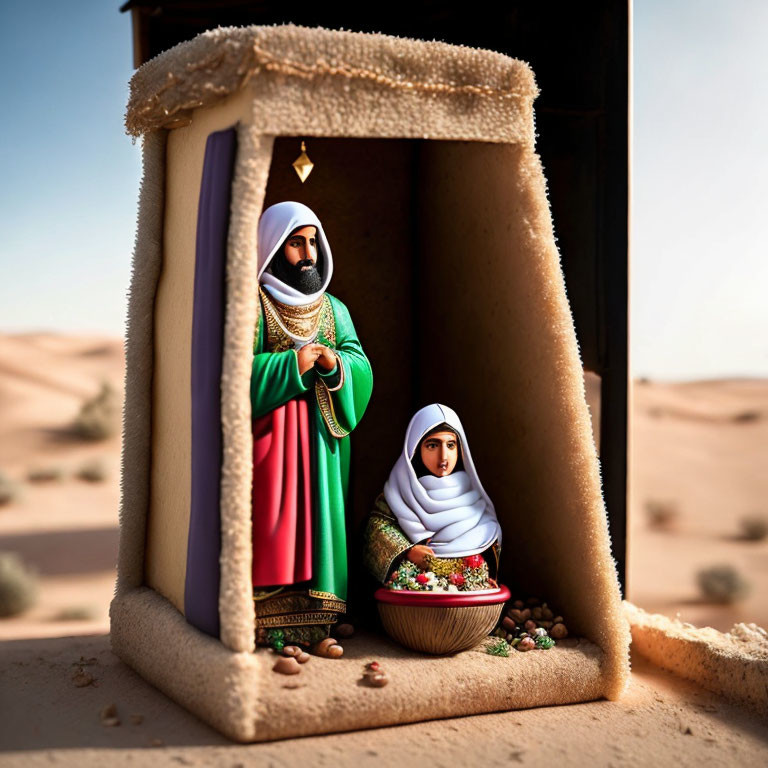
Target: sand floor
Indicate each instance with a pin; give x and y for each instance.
(47, 719)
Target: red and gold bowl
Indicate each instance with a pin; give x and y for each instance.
(443, 622)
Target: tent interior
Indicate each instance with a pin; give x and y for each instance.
(432, 247)
(444, 255)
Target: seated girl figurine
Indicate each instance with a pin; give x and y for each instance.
(434, 527)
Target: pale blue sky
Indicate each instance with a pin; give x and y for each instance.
(70, 178)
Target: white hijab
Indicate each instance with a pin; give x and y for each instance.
(275, 224)
(455, 510)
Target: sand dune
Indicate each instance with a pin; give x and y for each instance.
(702, 448)
(67, 530)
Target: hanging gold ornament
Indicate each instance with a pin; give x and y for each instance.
(302, 164)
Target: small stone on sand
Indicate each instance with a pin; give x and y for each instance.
(81, 679)
(345, 630)
(379, 680)
(109, 716)
(558, 631)
(287, 665)
(328, 648)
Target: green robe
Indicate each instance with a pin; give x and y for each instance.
(275, 380)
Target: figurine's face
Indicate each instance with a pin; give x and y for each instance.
(301, 248)
(440, 452)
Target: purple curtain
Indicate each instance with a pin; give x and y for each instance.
(201, 590)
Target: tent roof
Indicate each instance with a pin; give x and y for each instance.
(220, 62)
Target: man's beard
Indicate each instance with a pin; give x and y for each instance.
(305, 280)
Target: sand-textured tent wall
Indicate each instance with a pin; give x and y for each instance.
(434, 200)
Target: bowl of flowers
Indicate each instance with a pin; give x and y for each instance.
(448, 607)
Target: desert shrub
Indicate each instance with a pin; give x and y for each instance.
(9, 490)
(99, 417)
(76, 613)
(94, 471)
(754, 527)
(745, 417)
(662, 514)
(45, 474)
(18, 585)
(722, 584)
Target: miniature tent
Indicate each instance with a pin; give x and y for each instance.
(430, 191)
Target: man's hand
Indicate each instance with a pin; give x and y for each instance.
(418, 555)
(308, 355)
(326, 360)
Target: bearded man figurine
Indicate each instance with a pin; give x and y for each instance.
(310, 385)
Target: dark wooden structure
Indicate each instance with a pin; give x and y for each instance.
(580, 55)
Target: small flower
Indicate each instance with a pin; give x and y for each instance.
(457, 579)
(473, 561)
(453, 588)
(422, 578)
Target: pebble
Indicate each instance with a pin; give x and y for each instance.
(109, 716)
(287, 665)
(377, 680)
(329, 648)
(509, 624)
(292, 650)
(526, 644)
(540, 632)
(344, 630)
(530, 625)
(303, 657)
(536, 613)
(81, 679)
(558, 631)
(374, 675)
(519, 604)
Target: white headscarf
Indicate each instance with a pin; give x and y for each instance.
(275, 224)
(455, 510)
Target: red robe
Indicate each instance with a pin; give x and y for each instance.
(282, 492)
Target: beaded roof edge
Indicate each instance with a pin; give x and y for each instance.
(219, 62)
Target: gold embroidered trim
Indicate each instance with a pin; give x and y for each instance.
(266, 594)
(383, 543)
(301, 321)
(329, 596)
(325, 404)
(312, 320)
(298, 620)
(341, 375)
(327, 324)
(277, 604)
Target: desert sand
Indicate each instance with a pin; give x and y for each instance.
(700, 447)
